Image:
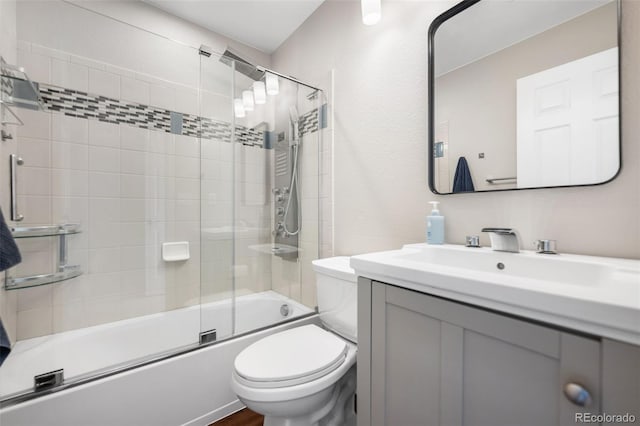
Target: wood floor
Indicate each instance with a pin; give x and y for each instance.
(244, 417)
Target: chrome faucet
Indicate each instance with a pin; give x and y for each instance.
(503, 239)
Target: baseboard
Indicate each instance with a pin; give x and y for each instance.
(215, 415)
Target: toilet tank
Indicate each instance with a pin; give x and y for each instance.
(337, 295)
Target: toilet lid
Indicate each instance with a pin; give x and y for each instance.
(291, 356)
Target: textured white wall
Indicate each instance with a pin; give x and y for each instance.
(380, 141)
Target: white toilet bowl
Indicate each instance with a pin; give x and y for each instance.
(306, 376)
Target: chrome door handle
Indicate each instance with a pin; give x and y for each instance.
(14, 162)
(577, 394)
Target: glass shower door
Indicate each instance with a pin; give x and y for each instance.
(215, 130)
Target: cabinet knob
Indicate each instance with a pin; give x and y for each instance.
(577, 394)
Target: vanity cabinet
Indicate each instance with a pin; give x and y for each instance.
(428, 361)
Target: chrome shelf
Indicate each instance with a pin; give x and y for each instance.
(45, 231)
(63, 270)
(16, 283)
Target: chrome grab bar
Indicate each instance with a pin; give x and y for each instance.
(14, 162)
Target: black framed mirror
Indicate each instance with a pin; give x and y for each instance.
(524, 94)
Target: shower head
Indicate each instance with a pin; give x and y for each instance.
(242, 65)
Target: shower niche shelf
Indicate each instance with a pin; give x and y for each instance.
(63, 270)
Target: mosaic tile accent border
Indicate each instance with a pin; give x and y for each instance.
(79, 104)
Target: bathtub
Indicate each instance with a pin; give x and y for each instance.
(190, 388)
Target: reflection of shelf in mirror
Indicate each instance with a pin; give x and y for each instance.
(18, 89)
(45, 231)
(17, 283)
(495, 181)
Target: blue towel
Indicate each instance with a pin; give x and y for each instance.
(9, 253)
(5, 344)
(462, 181)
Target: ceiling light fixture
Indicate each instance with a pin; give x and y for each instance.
(247, 100)
(371, 11)
(238, 108)
(273, 87)
(259, 94)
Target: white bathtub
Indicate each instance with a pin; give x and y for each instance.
(85, 351)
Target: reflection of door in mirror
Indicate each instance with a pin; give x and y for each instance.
(482, 59)
(568, 123)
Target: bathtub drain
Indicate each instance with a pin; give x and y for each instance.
(284, 310)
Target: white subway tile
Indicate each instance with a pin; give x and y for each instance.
(162, 96)
(69, 156)
(33, 180)
(37, 124)
(161, 143)
(104, 260)
(69, 316)
(71, 183)
(90, 63)
(104, 310)
(35, 209)
(70, 291)
(133, 234)
(69, 129)
(132, 258)
(34, 323)
(69, 75)
(186, 100)
(53, 53)
(104, 234)
(133, 186)
(102, 285)
(187, 210)
(134, 138)
(104, 134)
(187, 146)
(104, 159)
(186, 167)
(104, 83)
(34, 298)
(133, 162)
(38, 67)
(187, 189)
(134, 210)
(35, 152)
(133, 90)
(103, 210)
(104, 184)
(70, 210)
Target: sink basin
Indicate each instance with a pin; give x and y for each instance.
(525, 265)
(591, 294)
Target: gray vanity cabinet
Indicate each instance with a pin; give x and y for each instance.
(427, 361)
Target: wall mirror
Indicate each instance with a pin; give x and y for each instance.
(524, 94)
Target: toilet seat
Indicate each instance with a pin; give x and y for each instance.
(292, 357)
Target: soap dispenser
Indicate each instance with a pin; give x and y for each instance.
(435, 225)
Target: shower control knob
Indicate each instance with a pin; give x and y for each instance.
(276, 191)
(279, 198)
(280, 211)
(285, 190)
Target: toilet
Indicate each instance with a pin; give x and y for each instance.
(306, 376)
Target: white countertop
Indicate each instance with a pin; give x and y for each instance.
(595, 295)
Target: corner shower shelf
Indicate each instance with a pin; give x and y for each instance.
(45, 231)
(18, 89)
(63, 271)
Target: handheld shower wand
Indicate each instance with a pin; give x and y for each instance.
(294, 143)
